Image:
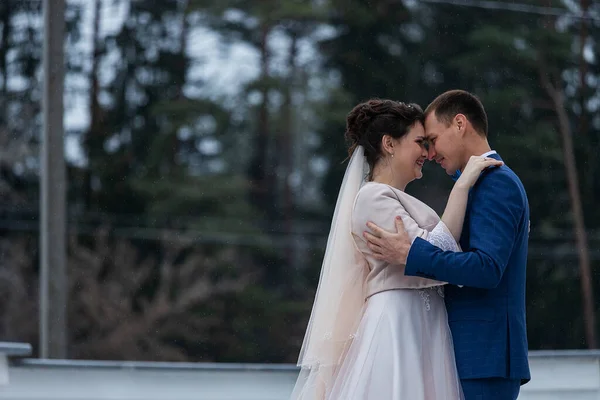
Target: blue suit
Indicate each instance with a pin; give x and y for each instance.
(487, 315)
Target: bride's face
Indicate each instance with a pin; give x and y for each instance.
(410, 154)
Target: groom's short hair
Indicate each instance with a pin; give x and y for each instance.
(453, 102)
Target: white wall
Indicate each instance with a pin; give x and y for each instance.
(572, 375)
(145, 381)
(563, 375)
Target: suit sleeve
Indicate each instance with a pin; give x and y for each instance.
(496, 210)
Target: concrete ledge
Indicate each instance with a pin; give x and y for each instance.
(11, 349)
(50, 380)
(556, 375)
(149, 365)
(564, 353)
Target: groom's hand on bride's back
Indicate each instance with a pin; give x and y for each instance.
(392, 247)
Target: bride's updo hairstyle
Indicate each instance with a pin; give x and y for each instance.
(368, 122)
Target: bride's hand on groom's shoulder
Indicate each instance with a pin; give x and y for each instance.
(392, 247)
(473, 170)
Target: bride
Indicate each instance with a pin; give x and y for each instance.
(375, 334)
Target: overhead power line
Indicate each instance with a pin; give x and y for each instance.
(515, 7)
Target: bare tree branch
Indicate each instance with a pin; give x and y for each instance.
(125, 317)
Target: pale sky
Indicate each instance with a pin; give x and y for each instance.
(223, 68)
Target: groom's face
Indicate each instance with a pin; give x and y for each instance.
(444, 143)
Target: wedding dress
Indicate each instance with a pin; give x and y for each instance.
(374, 333)
(402, 349)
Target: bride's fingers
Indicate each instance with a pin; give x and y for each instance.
(493, 163)
(492, 160)
(482, 162)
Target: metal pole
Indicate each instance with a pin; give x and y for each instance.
(53, 280)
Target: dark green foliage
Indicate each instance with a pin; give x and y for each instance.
(181, 185)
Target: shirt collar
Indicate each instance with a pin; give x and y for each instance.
(489, 153)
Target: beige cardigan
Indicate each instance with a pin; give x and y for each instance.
(380, 204)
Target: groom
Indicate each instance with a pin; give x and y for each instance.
(486, 296)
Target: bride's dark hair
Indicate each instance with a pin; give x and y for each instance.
(369, 121)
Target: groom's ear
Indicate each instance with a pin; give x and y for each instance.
(460, 122)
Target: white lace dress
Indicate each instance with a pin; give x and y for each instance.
(403, 347)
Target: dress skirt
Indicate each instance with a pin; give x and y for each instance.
(402, 350)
